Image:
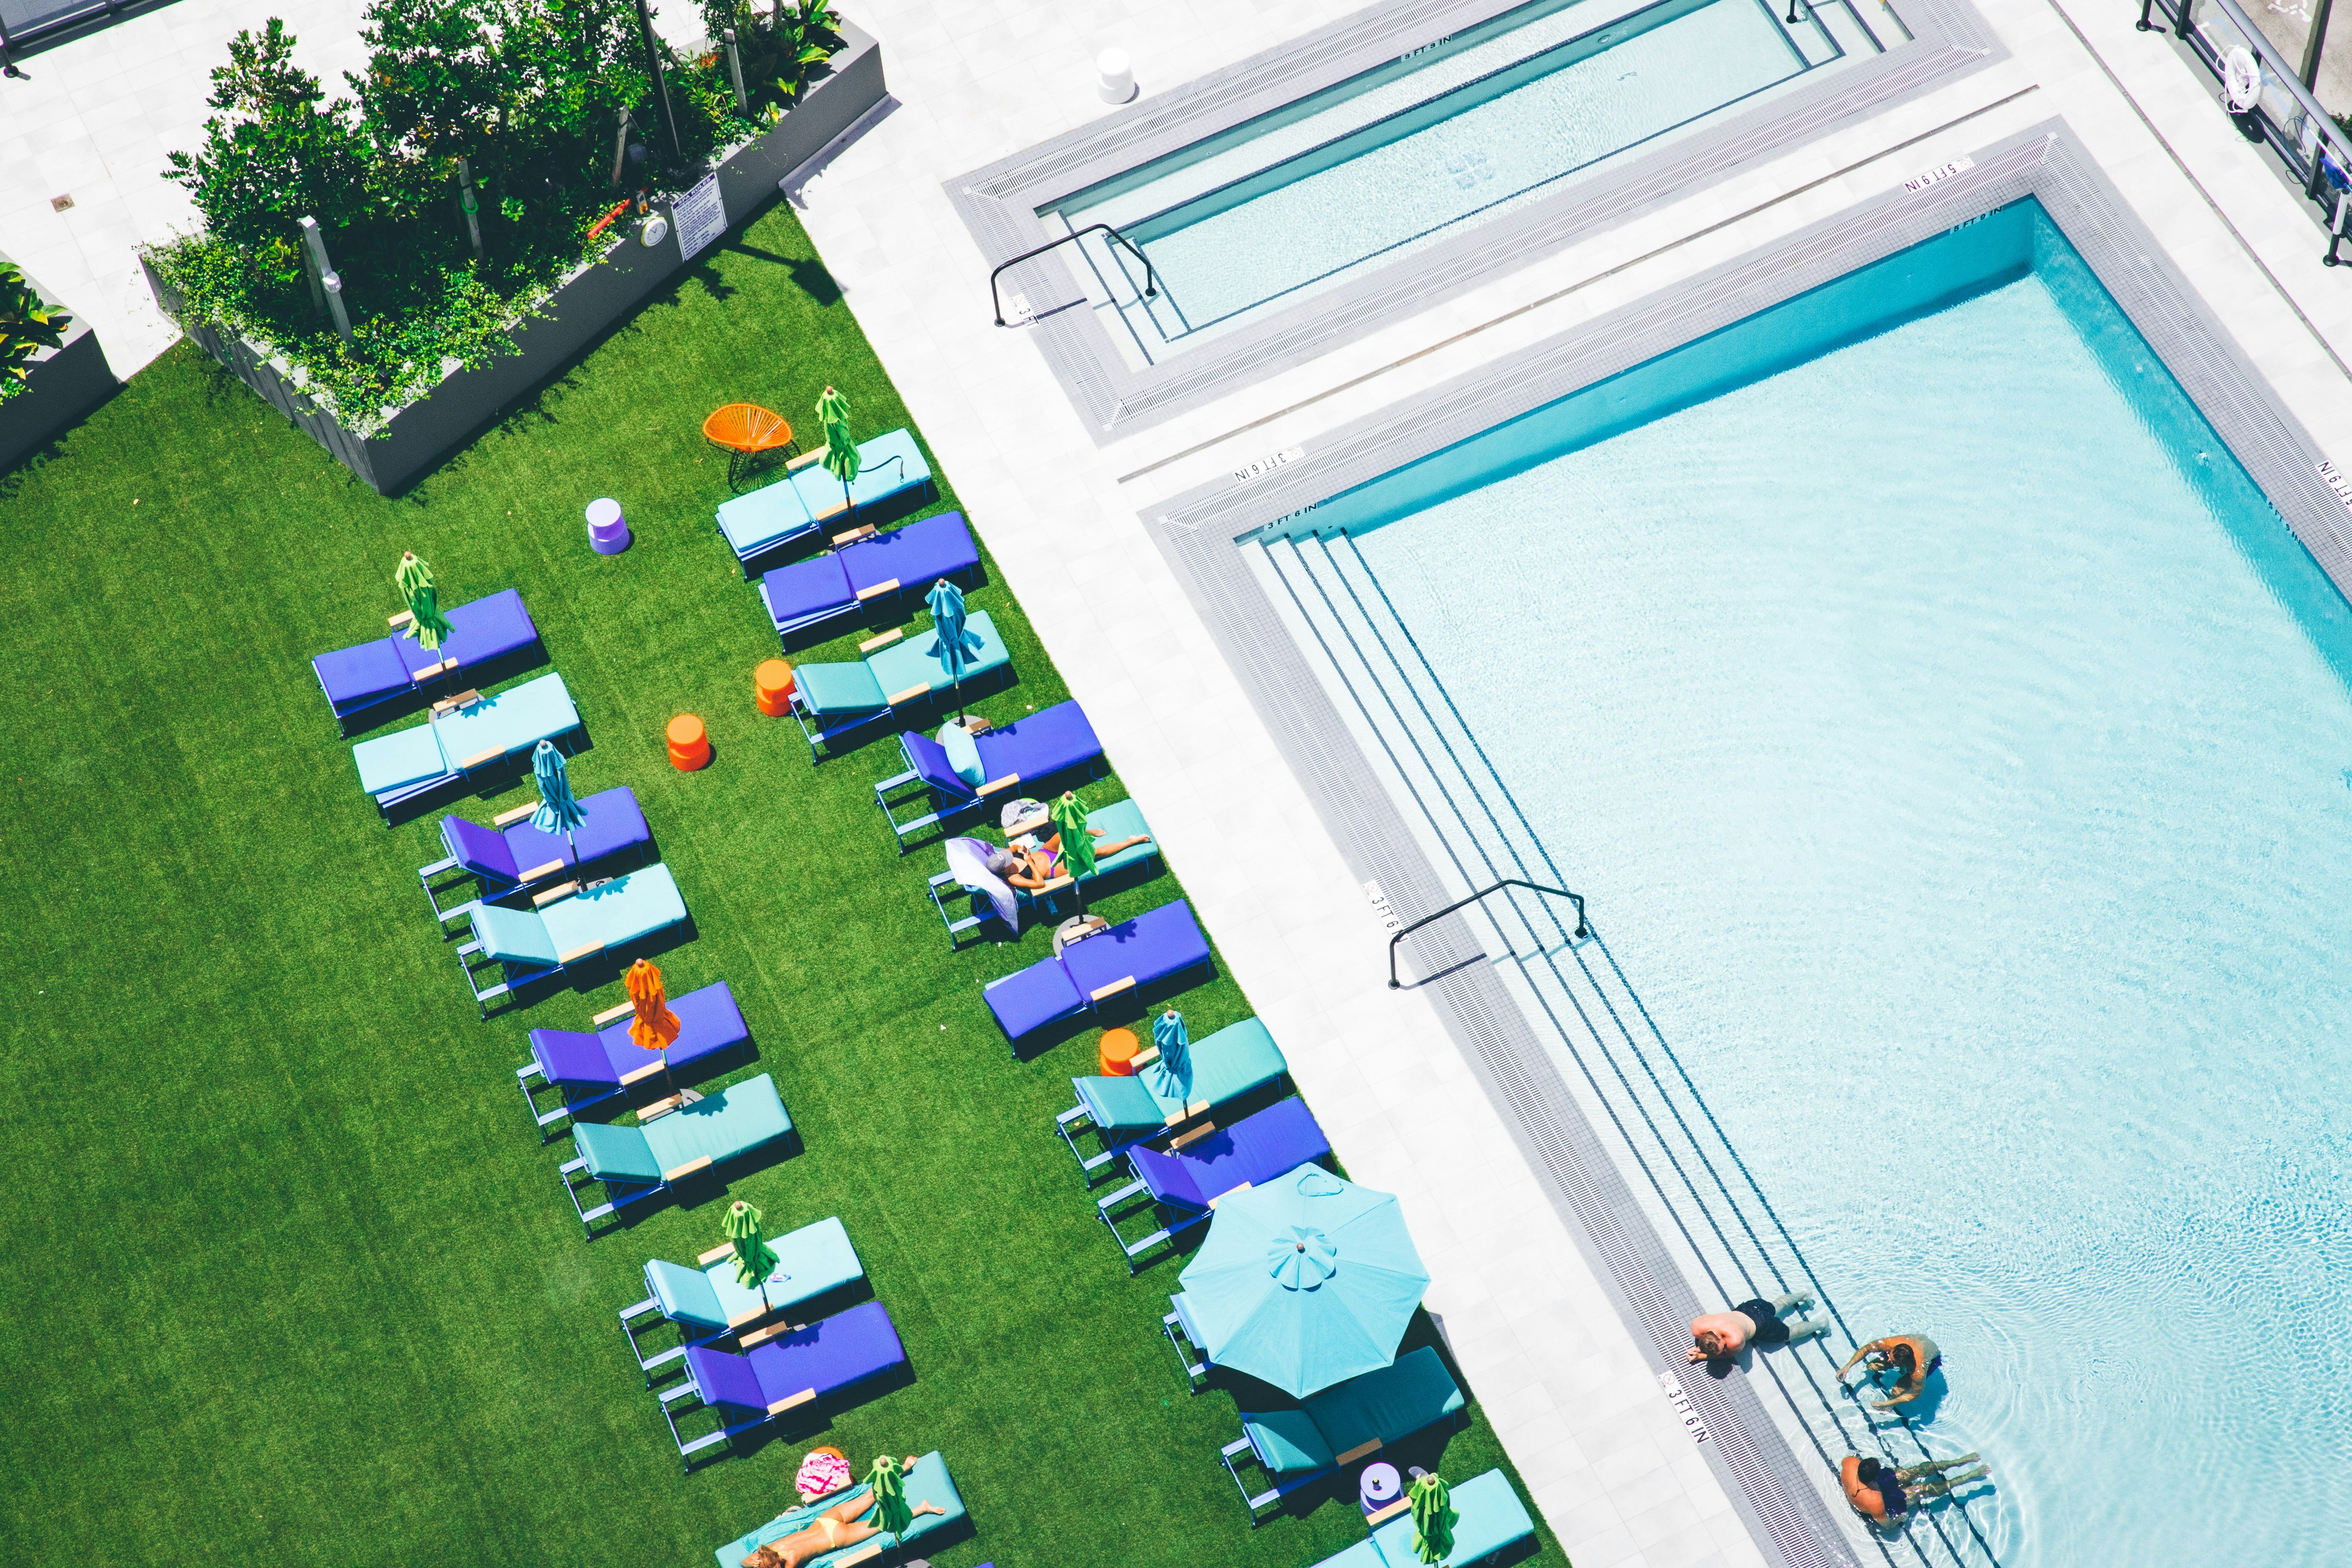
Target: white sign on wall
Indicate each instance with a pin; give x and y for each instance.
(700, 216)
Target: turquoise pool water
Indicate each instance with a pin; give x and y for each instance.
(1958, 750)
(1450, 134)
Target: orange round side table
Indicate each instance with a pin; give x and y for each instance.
(1118, 1055)
(689, 747)
(771, 688)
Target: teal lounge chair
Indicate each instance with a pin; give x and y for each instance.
(1488, 1519)
(928, 1481)
(461, 736)
(640, 1162)
(1107, 824)
(1125, 1111)
(565, 925)
(1314, 1440)
(709, 1301)
(892, 479)
(901, 671)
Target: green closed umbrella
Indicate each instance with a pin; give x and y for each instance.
(841, 459)
(427, 624)
(889, 1483)
(1078, 844)
(754, 1259)
(1432, 1517)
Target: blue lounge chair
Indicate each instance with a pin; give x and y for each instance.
(1132, 955)
(461, 736)
(638, 1163)
(586, 1069)
(899, 673)
(510, 855)
(1488, 1519)
(1237, 1059)
(1314, 1440)
(868, 573)
(792, 1371)
(927, 1482)
(1119, 819)
(357, 680)
(892, 477)
(1198, 1169)
(566, 923)
(709, 1302)
(1033, 748)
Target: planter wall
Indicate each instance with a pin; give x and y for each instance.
(419, 435)
(64, 385)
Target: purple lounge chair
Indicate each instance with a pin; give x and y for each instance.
(1206, 1164)
(510, 856)
(586, 1069)
(869, 573)
(1028, 750)
(792, 1371)
(357, 680)
(1129, 957)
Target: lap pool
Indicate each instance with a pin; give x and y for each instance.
(1404, 155)
(1957, 748)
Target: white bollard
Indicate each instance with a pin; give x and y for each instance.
(1114, 77)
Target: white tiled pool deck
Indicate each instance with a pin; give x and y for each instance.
(1574, 1397)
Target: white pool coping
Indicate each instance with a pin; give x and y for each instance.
(1573, 1397)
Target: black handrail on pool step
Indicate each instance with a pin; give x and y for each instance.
(1582, 931)
(1150, 279)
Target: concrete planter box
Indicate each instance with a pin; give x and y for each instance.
(66, 382)
(418, 436)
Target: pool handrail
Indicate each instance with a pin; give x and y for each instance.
(1583, 930)
(1150, 279)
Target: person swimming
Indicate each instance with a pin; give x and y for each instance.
(1912, 1356)
(1718, 1336)
(1882, 1493)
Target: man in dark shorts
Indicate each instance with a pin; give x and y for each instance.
(1910, 1357)
(1718, 1336)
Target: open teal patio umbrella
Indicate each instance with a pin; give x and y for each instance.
(955, 646)
(558, 810)
(1304, 1281)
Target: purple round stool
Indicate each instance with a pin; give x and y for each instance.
(1381, 1486)
(608, 531)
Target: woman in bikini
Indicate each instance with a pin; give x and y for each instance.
(1034, 868)
(843, 1525)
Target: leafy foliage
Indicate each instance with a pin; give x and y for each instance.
(781, 45)
(26, 325)
(530, 93)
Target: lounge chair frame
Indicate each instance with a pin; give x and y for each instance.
(1183, 1215)
(474, 964)
(531, 1071)
(955, 811)
(808, 1402)
(744, 1328)
(466, 769)
(1282, 1489)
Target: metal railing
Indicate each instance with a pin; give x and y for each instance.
(2306, 138)
(1150, 279)
(16, 38)
(1583, 930)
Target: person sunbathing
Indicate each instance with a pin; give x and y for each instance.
(843, 1524)
(1033, 868)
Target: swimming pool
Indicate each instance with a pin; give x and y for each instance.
(1451, 133)
(1958, 750)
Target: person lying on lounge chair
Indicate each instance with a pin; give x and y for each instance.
(1033, 868)
(843, 1525)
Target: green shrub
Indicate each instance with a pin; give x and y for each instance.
(530, 93)
(26, 325)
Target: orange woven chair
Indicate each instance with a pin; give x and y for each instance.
(750, 436)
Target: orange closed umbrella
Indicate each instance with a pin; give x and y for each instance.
(655, 1026)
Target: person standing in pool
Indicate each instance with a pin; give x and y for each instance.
(1911, 1356)
(1878, 1493)
(1718, 1336)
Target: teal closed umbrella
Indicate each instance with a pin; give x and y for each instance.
(1304, 1281)
(1172, 1072)
(558, 810)
(955, 645)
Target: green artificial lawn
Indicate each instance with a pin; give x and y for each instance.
(290, 1280)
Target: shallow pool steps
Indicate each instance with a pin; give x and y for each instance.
(1586, 1013)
